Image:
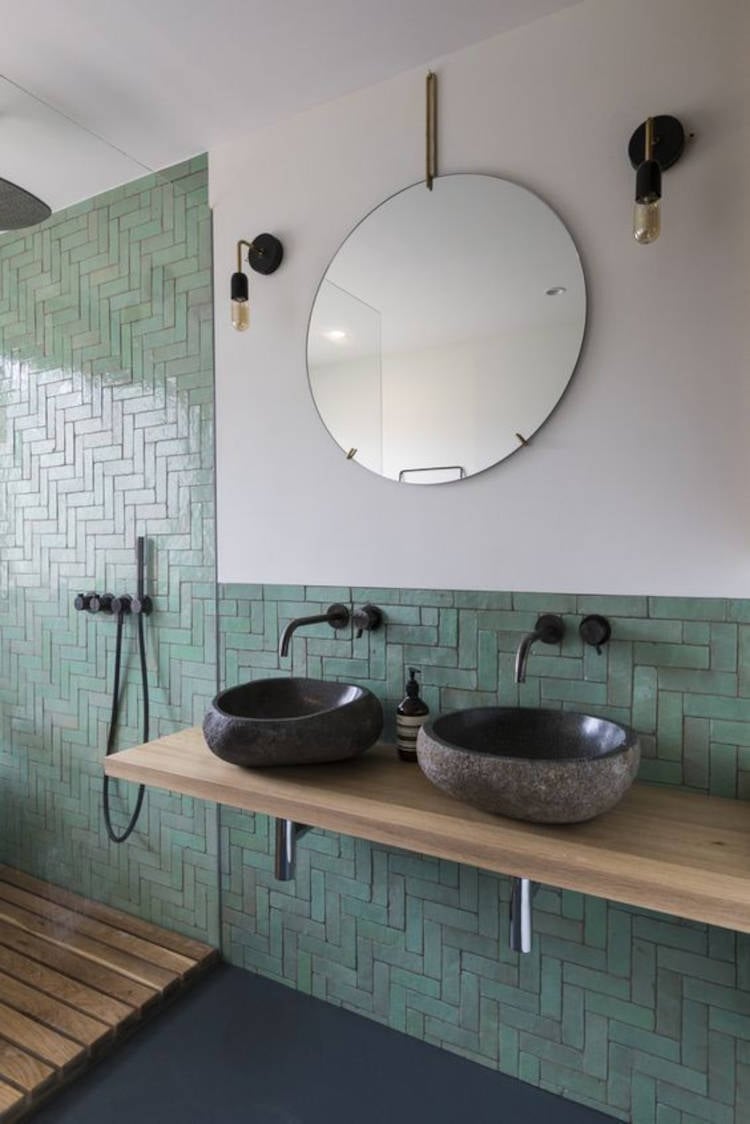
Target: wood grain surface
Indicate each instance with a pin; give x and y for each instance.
(74, 977)
(660, 848)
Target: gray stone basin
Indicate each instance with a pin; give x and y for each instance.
(545, 766)
(292, 722)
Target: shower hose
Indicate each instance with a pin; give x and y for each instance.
(123, 608)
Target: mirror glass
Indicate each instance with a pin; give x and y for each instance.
(446, 328)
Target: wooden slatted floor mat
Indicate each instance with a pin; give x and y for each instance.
(74, 976)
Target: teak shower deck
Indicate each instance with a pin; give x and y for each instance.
(74, 977)
(660, 848)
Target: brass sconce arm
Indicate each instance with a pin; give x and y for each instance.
(264, 255)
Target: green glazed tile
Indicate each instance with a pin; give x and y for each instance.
(106, 313)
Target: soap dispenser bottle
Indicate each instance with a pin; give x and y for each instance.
(410, 714)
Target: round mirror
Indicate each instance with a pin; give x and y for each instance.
(446, 329)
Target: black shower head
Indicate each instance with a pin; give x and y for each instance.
(19, 208)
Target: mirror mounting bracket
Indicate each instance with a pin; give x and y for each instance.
(431, 130)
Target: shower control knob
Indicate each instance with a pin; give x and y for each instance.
(122, 604)
(101, 603)
(141, 605)
(83, 601)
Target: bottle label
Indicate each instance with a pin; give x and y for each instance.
(407, 728)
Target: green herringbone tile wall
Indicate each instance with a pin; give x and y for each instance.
(644, 1016)
(106, 418)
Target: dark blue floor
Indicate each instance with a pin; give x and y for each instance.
(238, 1049)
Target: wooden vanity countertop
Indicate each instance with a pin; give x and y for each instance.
(661, 848)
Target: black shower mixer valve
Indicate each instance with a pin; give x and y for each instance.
(124, 604)
(107, 603)
(101, 603)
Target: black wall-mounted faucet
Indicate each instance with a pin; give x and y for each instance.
(550, 629)
(336, 615)
(366, 619)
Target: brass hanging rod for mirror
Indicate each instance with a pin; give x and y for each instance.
(431, 129)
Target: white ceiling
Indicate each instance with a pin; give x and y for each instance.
(160, 80)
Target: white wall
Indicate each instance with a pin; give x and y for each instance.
(640, 483)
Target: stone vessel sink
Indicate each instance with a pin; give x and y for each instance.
(292, 722)
(545, 766)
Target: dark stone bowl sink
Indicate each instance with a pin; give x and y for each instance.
(292, 722)
(546, 766)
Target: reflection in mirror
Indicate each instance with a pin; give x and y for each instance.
(446, 329)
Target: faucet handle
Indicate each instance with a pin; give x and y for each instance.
(551, 628)
(595, 630)
(367, 619)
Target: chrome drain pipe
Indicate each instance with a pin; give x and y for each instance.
(522, 891)
(285, 853)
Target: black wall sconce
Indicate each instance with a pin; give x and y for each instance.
(264, 255)
(655, 145)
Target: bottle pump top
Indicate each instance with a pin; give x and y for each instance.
(412, 684)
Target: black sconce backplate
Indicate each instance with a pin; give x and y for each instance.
(265, 253)
(669, 142)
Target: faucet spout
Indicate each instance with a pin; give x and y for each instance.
(522, 654)
(550, 629)
(336, 615)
